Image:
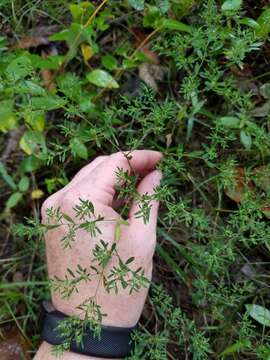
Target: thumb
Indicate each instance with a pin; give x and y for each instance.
(146, 186)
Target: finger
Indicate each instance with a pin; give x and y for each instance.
(104, 180)
(147, 186)
(84, 172)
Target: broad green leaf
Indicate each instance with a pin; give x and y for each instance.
(163, 5)
(231, 122)
(81, 11)
(246, 139)
(137, 4)
(109, 62)
(152, 17)
(24, 184)
(78, 148)
(33, 142)
(171, 24)
(76, 12)
(129, 63)
(30, 164)
(102, 79)
(29, 87)
(19, 68)
(48, 103)
(249, 22)
(36, 119)
(102, 21)
(75, 35)
(259, 313)
(70, 85)
(264, 24)
(6, 177)
(51, 62)
(7, 116)
(86, 105)
(265, 90)
(60, 36)
(236, 347)
(13, 200)
(231, 5)
(123, 50)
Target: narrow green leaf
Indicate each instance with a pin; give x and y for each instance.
(173, 265)
(68, 218)
(102, 79)
(181, 249)
(190, 125)
(171, 24)
(130, 260)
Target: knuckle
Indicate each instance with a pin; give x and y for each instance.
(69, 199)
(48, 203)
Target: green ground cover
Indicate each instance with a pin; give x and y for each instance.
(188, 78)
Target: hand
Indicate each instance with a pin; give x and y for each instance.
(97, 182)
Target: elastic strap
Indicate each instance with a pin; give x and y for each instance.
(115, 342)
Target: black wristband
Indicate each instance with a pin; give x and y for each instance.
(115, 342)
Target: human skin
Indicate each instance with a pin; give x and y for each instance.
(97, 182)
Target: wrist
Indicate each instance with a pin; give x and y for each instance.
(110, 306)
(45, 352)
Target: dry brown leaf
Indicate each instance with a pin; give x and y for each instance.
(168, 140)
(266, 212)
(236, 191)
(47, 75)
(140, 37)
(31, 42)
(150, 73)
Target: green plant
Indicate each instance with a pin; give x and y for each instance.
(208, 112)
